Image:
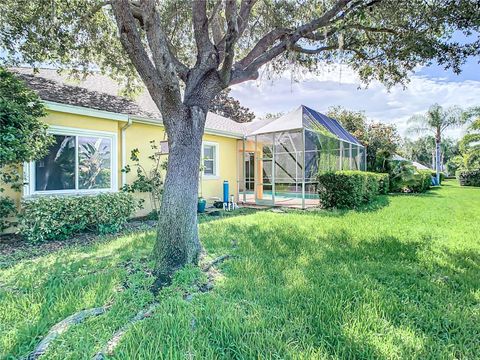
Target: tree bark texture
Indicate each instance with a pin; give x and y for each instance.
(177, 236)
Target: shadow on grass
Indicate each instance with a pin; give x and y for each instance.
(52, 288)
(382, 298)
(221, 214)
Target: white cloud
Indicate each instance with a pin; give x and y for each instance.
(340, 86)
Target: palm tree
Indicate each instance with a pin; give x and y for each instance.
(435, 121)
(470, 146)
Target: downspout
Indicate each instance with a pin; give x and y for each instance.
(124, 149)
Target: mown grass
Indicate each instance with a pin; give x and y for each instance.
(398, 280)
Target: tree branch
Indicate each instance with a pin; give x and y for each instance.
(264, 51)
(244, 15)
(230, 39)
(200, 28)
(262, 45)
(299, 49)
(161, 54)
(132, 42)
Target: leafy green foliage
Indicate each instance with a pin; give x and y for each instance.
(148, 181)
(23, 136)
(350, 189)
(7, 209)
(227, 106)
(469, 177)
(381, 140)
(383, 183)
(355, 122)
(469, 145)
(435, 121)
(58, 218)
(404, 177)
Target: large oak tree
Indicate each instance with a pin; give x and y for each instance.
(187, 52)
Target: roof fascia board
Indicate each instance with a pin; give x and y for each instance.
(158, 122)
(80, 110)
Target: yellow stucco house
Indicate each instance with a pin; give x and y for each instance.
(269, 162)
(89, 114)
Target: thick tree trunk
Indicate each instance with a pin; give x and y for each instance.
(177, 236)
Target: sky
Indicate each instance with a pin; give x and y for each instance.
(339, 85)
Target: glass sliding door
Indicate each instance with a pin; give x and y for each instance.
(264, 190)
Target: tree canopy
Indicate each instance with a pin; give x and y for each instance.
(23, 136)
(469, 146)
(380, 39)
(382, 140)
(227, 106)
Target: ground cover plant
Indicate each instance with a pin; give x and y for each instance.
(397, 280)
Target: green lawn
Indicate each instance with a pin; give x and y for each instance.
(399, 280)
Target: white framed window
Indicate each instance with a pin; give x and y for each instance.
(79, 161)
(210, 156)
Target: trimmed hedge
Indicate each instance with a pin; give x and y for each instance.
(58, 218)
(469, 177)
(423, 181)
(350, 189)
(383, 183)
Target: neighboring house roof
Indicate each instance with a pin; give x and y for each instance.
(420, 166)
(417, 165)
(397, 157)
(99, 92)
(306, 118)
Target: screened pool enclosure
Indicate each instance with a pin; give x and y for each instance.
(280, 160)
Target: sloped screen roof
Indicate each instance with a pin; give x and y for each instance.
(333, 126)
(304, 117)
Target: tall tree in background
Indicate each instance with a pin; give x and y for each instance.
(382, 140)
(355, 122)
(187, 52)
(470, 146)
(422, 150)
(435, 121)
(227, 106)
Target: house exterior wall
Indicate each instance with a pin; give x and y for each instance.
(138, 135)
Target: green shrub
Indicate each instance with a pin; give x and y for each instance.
(58, 218)
(383, 183)
(469, 177)
(7, 210)
(349, 189)
(404, 177)
(423, 181)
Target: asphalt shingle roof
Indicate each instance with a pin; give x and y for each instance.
(101, 93)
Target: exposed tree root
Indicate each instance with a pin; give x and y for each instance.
(216, 261)
(63, 326)
(115, 340)
(212, 275)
